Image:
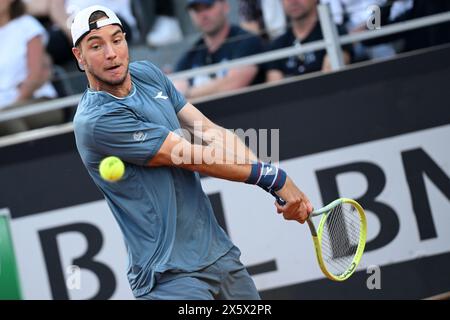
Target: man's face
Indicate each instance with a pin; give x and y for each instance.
(299, 9)
(103, 53)
(210, 19)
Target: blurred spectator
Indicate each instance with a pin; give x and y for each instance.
(354, 15)
(263, 17)
(165, 28)
(251, 17)
(221, 42)
(24, 66)
(305, 27)
(56, 16)
(411, 9)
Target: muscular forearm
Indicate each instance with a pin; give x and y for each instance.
(268, 177)
(219, 168)
(207, 133)
(230, 144)
(209, 160)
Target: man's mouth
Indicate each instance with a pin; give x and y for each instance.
(113, 68)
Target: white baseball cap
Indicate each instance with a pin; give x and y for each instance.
(81, 26)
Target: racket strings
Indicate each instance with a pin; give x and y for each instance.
(343, 235)
(339, 244)
(340, 238)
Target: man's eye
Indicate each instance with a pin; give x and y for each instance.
(117, 41)
(95, 47)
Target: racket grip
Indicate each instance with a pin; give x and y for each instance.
(280, 201)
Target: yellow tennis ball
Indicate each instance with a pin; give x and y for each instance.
(112, 169)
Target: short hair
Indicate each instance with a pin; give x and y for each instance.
(97, 15)
(94, 17)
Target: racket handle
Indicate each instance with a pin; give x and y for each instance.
(280, 201)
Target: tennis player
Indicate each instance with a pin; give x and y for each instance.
(176, 248)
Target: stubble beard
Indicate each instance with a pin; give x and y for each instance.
(110, 83)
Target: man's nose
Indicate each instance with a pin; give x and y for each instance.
(110, 52)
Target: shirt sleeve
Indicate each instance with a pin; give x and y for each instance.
(152, 74)
(122, 134)
(32, 28)
(177, 99)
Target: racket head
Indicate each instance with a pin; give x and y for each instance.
(340, 238)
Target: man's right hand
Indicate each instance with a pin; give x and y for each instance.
(297, 207)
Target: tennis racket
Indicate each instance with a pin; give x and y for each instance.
(340, 237)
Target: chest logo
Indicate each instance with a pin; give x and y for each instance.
(160, 96)
(139, 136)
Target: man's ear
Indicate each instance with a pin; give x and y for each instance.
(78, 55)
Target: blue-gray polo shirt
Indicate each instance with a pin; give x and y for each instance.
(166, 219)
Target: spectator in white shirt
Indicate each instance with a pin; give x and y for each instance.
(354, 15)
(24, 67)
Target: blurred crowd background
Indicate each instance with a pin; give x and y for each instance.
(36, 62)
